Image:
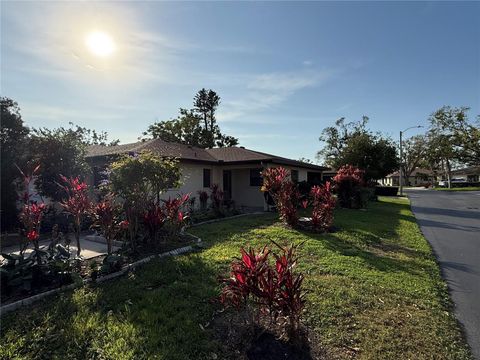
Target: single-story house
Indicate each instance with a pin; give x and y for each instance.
(469, 174)
(235, 169)
(418, 177)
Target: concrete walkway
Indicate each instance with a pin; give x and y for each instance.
(90, 249)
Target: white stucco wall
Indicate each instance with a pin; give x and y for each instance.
(242, 193)
(192, 180)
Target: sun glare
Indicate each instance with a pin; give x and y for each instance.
(100, 44)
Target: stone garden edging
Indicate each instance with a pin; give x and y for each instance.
(27, 301)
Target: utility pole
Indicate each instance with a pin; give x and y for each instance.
(400, 179)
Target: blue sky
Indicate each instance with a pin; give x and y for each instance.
(284, 70)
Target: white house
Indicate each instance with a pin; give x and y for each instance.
(418, 177)
(235, 169)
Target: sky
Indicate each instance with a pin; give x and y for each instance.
(284, 70)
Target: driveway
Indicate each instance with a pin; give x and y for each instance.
(451, 223)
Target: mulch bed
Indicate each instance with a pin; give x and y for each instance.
(263, 341)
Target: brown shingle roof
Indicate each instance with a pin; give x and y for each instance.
(229, 155)
(157, 146)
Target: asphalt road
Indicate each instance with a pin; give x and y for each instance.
(451, 223)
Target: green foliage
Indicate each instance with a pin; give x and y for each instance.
(139, 180)
(12, 141)
(195, 127)
(144, 175)
(61, 151)
(414, 154)
(372, 285)
(455, 135)
(353, 144)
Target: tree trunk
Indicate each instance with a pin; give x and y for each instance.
(449, 174)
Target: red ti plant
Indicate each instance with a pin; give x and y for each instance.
(203, 197)
(154, 218)
(106, 215)
(31, 215)
(323, 205)
(284, 192)
(77, 204)
(174, 214)
(217, 198)
(274, 289)
(348, 182)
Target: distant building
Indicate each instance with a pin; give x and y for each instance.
(469, 174)
(418, 177)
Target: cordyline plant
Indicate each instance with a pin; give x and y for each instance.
(107, 218)
(277, 182)
(348, 182)
(274, 289)
(77, 204)
(216, 196)
(31, 216)
(154, 219)
(203, 198)
(176, 217)
(323, 205)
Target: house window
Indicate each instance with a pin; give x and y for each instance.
(207, 178)
(256, 177)
(294, 175)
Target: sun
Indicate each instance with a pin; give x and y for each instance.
(100, 43)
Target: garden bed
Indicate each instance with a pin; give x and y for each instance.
(91, 269)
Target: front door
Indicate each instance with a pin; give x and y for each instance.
(227, 184)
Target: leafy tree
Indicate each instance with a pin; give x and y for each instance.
(336, 138)
(12, 140)
(205, 104)
(139, 178)
(462, 135)
(196, 127)
(414, 154)
(353, 144)
(145, 174)
(59, 152)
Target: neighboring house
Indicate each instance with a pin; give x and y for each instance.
(418, 177)
(469, 174)
(235, 169)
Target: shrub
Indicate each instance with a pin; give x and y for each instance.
(106, 215)
(323, 205)
(154, 219)
(176, 218)
(386, 190)
(140, 179)
(31, 216)
(216, 196)
(276, 181)
(203, 198)
(77, 204)
(274, 289)
(348, 182)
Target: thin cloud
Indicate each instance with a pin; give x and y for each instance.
(267, 91)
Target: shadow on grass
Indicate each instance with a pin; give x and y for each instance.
(367, 235)
(162, 310)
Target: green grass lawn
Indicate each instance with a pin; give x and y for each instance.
(374, 292)
(467, 188)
